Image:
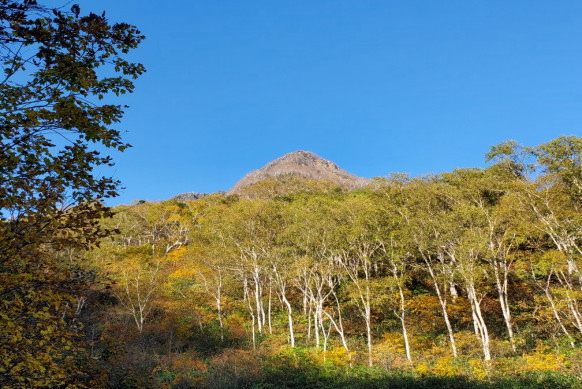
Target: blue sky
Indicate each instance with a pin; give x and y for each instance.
(378, 87)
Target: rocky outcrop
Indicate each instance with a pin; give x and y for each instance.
(303, 163)
(189, 196)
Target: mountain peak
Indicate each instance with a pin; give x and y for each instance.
(302, 163)
(303, 158)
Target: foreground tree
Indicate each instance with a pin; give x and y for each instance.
(56, 67)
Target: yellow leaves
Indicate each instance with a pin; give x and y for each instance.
(554, 256)
(443, 367)
(183, 272)
(48, 330)
(43, 315)
(37, 332)
(448, 366)
(176, 255)
(422, 369)
(543, 361)
(337, 356)
(390, 352)
(478, 368)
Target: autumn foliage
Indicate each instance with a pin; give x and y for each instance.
(465, 279)
(56, 65)
(468, 278)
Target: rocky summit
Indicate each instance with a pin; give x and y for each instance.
(302, 163)
(189, 196)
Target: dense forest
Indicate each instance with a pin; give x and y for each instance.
(470, 278)
(474, 273)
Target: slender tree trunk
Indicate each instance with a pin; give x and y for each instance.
(369, 339)
(340, 326)
(403, 321)
(316, 325)
(269, 309)
(575, 312)
(199, 320)
(258, 301)
(483, 333)
(252, 313)
(368, 310)
(475, 320)
(281, 289)
(557, 316)
(498, 250)
(571, 302)
(262, 313)
(325, 338)
(219, 306)
(443, 302)
(253, 331)
(220, 322)
(309, 315)
(290, 318)
(501, 283)
(353, 266)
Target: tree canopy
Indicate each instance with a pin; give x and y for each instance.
(58, 69)
(472, 273)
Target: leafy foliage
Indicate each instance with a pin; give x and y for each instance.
(465, 279)
(56, 67)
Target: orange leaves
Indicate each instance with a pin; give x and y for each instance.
(179, 369)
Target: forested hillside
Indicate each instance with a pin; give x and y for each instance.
(302, 275)
(463, 278)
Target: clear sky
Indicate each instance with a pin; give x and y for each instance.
(376, 86)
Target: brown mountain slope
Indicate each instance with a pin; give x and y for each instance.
(301, 163)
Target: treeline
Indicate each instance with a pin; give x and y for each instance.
(476, 265)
